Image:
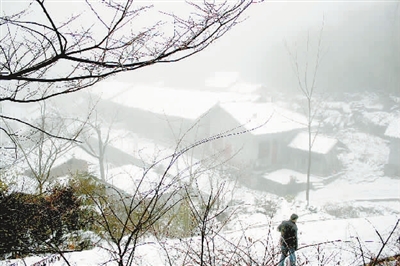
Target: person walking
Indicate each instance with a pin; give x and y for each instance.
(288, 240)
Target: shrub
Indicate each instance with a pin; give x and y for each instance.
(35, 224)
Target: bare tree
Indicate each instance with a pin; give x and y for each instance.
(127, 217)
(96, 144)
(43, 55)
(306, 74)
(40, 151)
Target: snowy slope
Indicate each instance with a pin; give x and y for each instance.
(361, 191)
(344, 236)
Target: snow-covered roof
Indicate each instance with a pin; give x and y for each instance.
(322, 144)
(123, 140)
(133, 179)
(190, 104)
(285, 176)
(146, 150)
(393, 129)
(266, 117)
(130, 179)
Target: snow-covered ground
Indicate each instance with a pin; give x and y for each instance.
(340, 243)
(348, 210)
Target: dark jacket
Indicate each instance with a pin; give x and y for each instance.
(288, 231)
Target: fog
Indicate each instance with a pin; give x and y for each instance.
(140, 135)
(360, 43)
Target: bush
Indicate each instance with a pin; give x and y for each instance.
(178, 222)
(36, 224)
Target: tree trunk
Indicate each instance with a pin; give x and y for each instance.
(309, 153)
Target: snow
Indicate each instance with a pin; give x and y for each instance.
(265, 117)
(344, 229)
(166, 101)
(125, 141)
(363, 163)
(19, 183)
(76, 153)
(386, 189)
(378, 118)
(368, 100)
(343, 107)
(129, 178)
(7, 154)
(344, 234)
(139, 147)
(321, 144)
(285, 176)
(158, 157)
(393, 129)
(362, 190)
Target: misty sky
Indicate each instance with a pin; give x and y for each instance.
(360, 42)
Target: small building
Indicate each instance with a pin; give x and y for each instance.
(324, 157)
(392, 168)
(255, 135)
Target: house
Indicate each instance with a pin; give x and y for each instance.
(324, 159)
(255, 134)
(160, 113)
(392, 168)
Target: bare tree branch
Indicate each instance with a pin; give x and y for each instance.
(43, 55)
(108, 54)
(308, 89)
